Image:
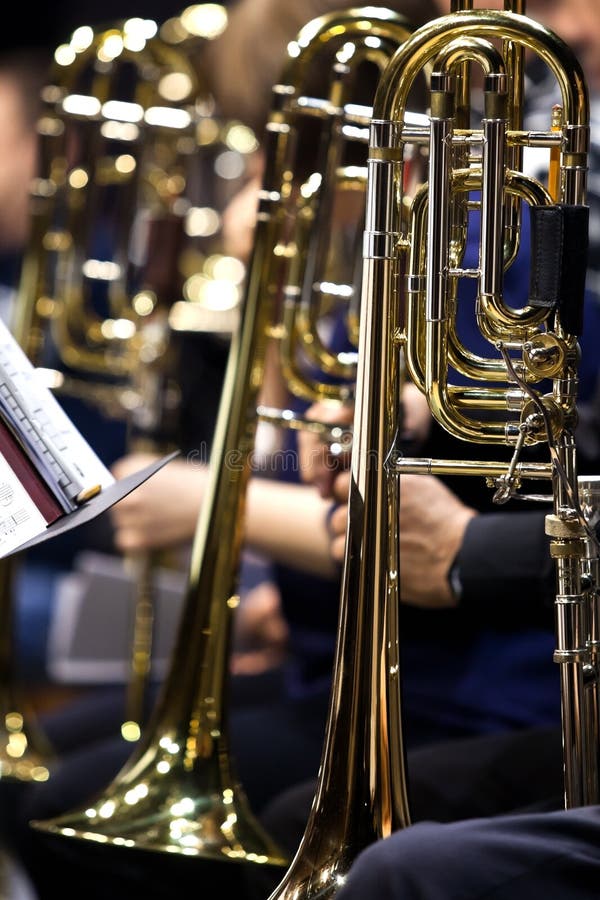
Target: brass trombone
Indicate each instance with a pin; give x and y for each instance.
(126, 248)
(178, 792)
(530, 347)
(506, 401)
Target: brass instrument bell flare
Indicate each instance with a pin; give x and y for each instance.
(178, 794)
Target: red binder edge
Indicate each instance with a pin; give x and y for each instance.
(29, 477)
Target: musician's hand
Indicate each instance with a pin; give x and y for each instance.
(161, 512)
(260, 631)
(432, 526)
(318, 464)
(417, 415)
(338, 516)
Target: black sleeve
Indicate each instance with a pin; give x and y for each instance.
(505, 570)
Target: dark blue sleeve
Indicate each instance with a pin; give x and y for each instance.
(505, 570)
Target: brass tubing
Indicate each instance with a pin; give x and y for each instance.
(181, 771)
(431, 342)
(482, 467)
(313, 210)
(363, 754)
(433, 336)
(180, 777)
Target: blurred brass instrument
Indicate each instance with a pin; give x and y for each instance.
(178, 792)
(124, 224)
(522, 394)
(126, 251)
(125, 255)
(25, 751)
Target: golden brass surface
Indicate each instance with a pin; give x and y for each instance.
(524, 391)
(25, 751)
(362, 792)
(126, 230)
(126, 207)
(178, 793)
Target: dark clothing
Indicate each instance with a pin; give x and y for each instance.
(453, 780)
(551, 855)
(494, 593)
(487, 665)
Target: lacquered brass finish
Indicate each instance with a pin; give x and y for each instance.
(502, 402)
(178, 793)
(25, 752)
(322, 206)
(126, 248)
(362, 789)
(135, 170)
(503, 398)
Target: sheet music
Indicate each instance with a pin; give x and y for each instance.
(20, 519)
(65, 458)
(87, 512)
